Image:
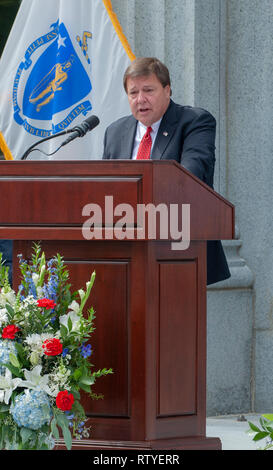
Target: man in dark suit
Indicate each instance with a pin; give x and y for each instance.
(161, 129)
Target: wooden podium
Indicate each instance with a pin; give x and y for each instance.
(150, 300)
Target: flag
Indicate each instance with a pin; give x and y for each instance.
(64, 61)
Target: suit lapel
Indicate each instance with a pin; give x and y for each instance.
(128, 137)
(165, 132)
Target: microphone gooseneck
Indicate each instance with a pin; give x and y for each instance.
(78, 131)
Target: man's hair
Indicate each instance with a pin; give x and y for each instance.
(145, 66)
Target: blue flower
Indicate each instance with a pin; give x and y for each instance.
(50, 289)
(31, 409)
(30, 284)
(86, 351)
(70, 417)
(50, 265)
(65, 352)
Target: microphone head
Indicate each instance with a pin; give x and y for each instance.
(90, 123)
(86, 126)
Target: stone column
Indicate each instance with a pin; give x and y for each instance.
(250, 117)
(230, 345)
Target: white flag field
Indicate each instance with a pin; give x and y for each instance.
(63, 62)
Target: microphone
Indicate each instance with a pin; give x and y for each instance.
(79, 131)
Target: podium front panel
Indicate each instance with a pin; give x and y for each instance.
(150, 328)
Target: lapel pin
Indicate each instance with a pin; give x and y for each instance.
(165, 133)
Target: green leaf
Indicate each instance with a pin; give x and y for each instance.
(63, 331)
(89, 286)
(61, 419)
(10, 311)
(4, 408)
(63, 423)
(69, 324)
(85, 387)
(268, 416)
(87, 380)
(101, 372)
(7, 433)
(54, 429)
(253, 427)
(14, 361)
(77, 374)
(260, 435)
(14, 370)
(26, 434)
(19, 348)
(21, 354)
(67, 437)
(268, 429)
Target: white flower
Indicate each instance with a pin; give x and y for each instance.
(3, 316)
(35, 342)
(8, 297)
(42, 270)
(35, 278)
(75, 319)
(34, 380)
(29, 301)
(26, 306)
(81, 293)
(7, 385)
(74, 306)
(59, 380)
(40, 292)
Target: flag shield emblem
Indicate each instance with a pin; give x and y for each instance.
(56, 82)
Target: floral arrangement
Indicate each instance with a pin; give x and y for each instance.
(44, 355)
(265, 431)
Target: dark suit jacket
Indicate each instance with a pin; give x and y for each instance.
(187, 135)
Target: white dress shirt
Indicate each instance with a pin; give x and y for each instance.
(140, 131)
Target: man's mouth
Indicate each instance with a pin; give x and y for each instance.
(143, 110)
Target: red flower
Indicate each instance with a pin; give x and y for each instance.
(52, 347)
(46, 303)
(10, 331)
(64, 400)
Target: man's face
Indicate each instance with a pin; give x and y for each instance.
(148, 99)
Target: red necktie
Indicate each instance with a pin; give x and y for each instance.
(144, 149)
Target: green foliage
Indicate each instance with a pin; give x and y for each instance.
(4, 273)
(264, 431)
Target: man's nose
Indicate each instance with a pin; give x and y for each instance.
(141, 97)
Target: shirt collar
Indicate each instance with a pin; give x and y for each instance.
(154, 126)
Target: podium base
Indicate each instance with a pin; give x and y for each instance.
(185, 443)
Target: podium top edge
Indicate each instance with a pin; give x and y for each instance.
(88, 162)
(9, 164)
